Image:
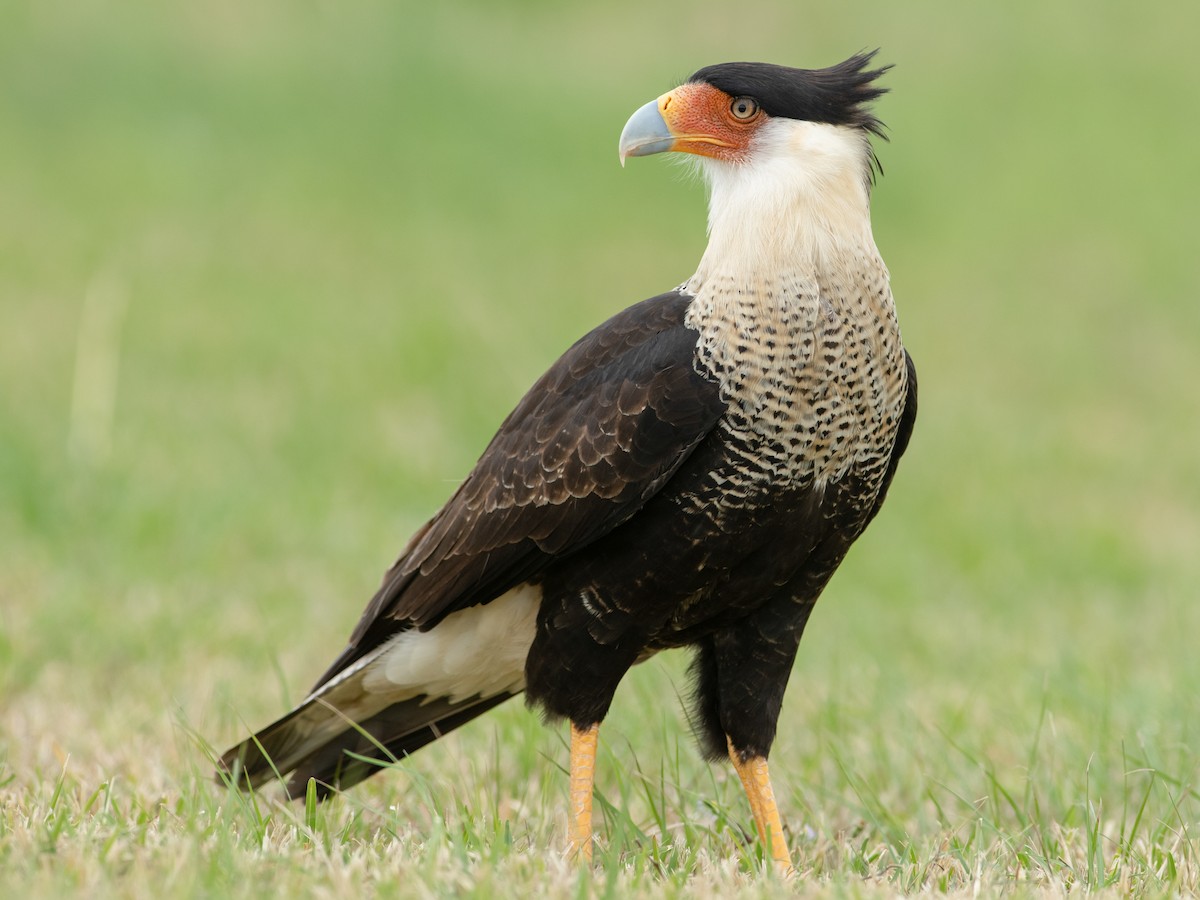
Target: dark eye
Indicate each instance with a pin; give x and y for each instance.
(743, 108)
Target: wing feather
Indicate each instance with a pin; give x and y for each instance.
(595, 437)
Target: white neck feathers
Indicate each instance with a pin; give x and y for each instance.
(799, 203)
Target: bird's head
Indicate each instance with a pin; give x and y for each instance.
(743, 113)
(786, 153)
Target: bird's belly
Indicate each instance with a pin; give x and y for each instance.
(754, 524)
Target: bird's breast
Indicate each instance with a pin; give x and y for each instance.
(811, 368)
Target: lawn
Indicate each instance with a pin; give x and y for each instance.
(270, 276)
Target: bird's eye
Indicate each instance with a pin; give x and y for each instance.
(743, 108)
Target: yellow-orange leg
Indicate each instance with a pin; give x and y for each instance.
(757, 781)
(583, 776)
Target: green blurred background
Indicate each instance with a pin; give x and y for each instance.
(272, 273)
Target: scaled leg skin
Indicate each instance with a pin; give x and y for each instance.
(757, 782)
(583, 776)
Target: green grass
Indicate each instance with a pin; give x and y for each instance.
(271, 274)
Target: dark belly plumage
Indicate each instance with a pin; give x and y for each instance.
(746, 533)
(716, 546)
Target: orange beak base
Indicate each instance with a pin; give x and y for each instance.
(693, 118)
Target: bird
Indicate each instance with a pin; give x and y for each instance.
(688, 474)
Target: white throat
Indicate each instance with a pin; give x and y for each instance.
(799, 204)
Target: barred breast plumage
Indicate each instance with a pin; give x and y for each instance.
(811, 367)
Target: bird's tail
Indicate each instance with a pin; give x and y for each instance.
(318, 740)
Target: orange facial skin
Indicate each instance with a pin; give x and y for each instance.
(708, 122)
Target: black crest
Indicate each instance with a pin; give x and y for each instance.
(838, 95)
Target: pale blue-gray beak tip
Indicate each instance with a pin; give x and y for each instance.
(645, 133)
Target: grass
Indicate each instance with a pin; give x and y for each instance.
(271, 274)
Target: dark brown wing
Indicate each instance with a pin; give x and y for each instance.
(595, 437)
(908, 418)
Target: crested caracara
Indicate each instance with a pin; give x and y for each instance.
(688, 474)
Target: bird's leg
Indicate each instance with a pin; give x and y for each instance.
(757, 782)
(583, 776)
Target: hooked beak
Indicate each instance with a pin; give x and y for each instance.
(646, 132)
(693, 118)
